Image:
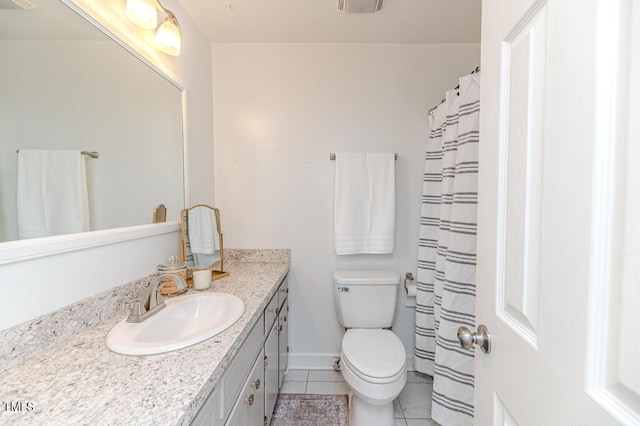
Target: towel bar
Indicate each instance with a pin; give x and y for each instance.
(332, 156)
(92, 154)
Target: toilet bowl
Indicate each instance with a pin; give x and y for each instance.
(373, 358)
(374, 368)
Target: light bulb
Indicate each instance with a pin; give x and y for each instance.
(168, 36)
(143, 13)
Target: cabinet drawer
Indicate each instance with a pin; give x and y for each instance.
(271, 314)
(283, 291)
(240, 367)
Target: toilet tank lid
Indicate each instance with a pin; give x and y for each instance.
(366, 277)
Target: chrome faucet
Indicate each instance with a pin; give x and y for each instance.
(151, 301)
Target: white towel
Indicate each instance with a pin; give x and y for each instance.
(52, 193)
(365, 203)
(203, 231)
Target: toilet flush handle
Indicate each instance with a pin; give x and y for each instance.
(343, 289)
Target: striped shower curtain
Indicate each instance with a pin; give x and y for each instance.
(446, 275)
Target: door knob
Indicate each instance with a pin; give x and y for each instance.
(481, 338)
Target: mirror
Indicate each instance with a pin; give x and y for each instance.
(66, 85)
(201, 237)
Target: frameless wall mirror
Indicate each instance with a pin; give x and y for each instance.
(201, 236)
(67, 85)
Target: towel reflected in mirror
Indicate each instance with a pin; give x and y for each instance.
(52, 193)
(202, 239)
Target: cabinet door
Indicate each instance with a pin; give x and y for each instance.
(249, 408)
(271, 371)
(283, 340)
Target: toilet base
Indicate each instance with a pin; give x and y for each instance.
(361, 413)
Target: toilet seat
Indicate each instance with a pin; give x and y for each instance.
(374, 355)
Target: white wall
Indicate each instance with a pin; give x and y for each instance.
(279, 110)
(81, 272)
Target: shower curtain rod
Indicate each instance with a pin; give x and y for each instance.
(455, 88)
(92, 154)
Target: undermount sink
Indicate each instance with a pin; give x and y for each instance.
(185, 321)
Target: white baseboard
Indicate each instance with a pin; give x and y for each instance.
(298, 361)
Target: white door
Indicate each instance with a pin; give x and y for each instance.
(559, 213)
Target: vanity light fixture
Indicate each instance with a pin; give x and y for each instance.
(168, 35)
(144, 13)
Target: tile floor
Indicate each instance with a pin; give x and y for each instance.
(411, 408)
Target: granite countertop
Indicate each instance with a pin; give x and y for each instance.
(81, 382)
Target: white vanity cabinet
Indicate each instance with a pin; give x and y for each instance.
(246, 393)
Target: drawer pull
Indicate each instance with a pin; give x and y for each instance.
(284, 318)
(249, 400)
(275, 310)
(280, 327)
(256, 384)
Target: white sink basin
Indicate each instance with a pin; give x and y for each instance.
(185, 321)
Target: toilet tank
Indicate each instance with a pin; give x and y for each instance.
(365, 299)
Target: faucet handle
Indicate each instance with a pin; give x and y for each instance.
(137, 308)
(136, 312)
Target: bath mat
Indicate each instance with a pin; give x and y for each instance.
(310, 410)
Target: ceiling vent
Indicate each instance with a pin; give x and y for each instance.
(359, 6)
(16, 5)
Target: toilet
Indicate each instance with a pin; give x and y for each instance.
(373, 358)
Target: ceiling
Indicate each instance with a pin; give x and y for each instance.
(299, 21)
